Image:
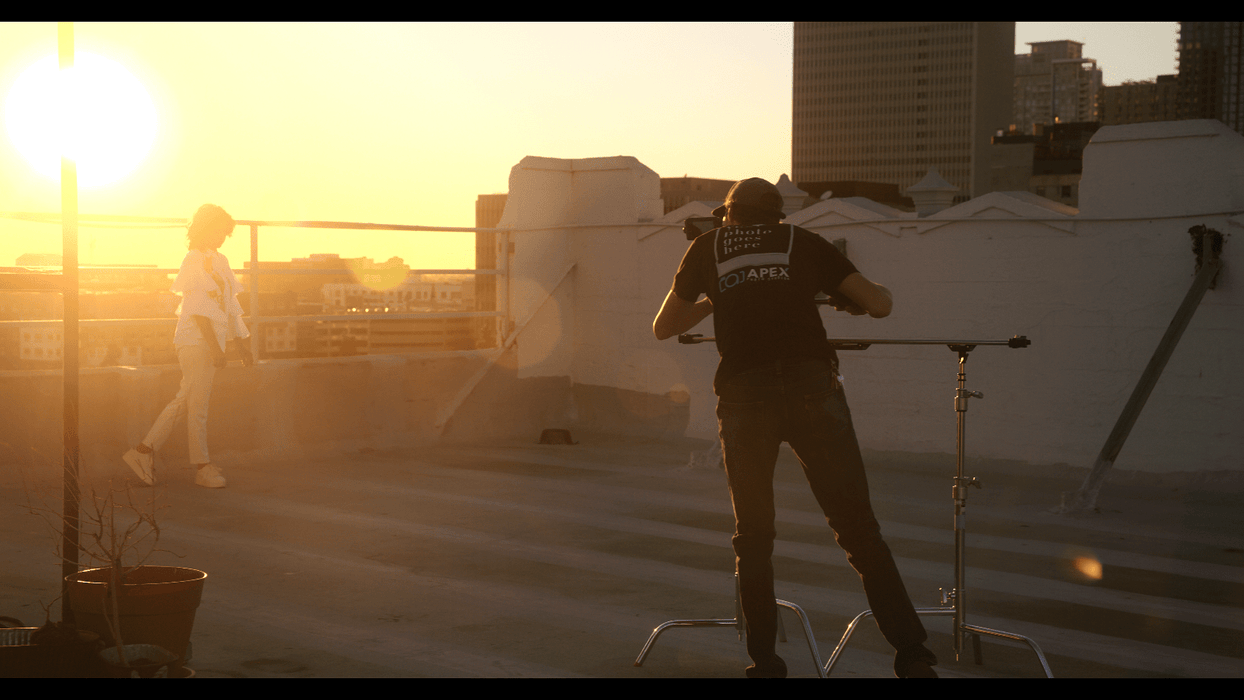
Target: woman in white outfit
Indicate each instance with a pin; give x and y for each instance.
(207, 319)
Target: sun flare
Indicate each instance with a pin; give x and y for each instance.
(97, 113)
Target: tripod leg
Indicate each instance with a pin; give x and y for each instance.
(976, 649)
(807, 632)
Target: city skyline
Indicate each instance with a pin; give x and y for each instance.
(421, 119)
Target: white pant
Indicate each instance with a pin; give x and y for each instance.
(197, 372)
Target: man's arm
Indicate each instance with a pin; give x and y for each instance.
(679, 316)
(873, 299)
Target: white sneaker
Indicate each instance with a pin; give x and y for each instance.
(142, 464)
(209, 475)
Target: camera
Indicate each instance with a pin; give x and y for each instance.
(696, 225)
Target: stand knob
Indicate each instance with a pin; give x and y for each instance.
(948, 597)
(961, 398)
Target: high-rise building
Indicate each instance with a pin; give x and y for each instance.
(1055, 84)
(1211, 72)
(886, 101)
(1138, 101)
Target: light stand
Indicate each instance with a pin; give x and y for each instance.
(956, 598)
(954, 602)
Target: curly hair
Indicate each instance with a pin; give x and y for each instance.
(207, 220)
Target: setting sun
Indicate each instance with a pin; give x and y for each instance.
(97, 112)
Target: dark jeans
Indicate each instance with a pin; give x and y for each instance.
(802, 403)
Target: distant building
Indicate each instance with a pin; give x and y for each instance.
(1139, 101)
(678, 191)
(420, 334)
(38, 260)
(1211, 72)
(23, 305)
(113, 343)
(1048, 163)
(333, 338)
(296, 288)
(488, 211)
(41, 344)
(886, 101)
(1055, 83)
(279, 339)
(276, 338)
(880, 192)
(410, 295)
(105, 278)
(306, 284)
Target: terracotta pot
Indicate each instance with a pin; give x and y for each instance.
(157, 605)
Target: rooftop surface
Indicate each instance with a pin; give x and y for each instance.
(527, 560)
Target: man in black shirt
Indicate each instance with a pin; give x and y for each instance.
(778, 381)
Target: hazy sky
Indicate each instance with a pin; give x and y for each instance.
(407, 123)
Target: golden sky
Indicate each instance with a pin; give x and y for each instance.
(407, 123)
(400, 123)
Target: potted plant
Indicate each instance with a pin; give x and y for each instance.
(143, 613)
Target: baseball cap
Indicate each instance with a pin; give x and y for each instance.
(753, 192)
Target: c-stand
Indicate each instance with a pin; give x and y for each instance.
(954, 602)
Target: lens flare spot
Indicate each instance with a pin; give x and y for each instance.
(379, 277)
(540, 340)
(679, 394)
(1088, 566)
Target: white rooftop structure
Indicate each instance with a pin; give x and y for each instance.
(932, 194)
(1093, 289)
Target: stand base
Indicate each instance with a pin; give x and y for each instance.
(737, 622)
(940, 612)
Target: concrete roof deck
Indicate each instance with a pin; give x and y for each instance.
(526, 560)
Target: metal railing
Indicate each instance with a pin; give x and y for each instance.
(254, 273)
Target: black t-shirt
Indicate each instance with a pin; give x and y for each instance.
(762, 280)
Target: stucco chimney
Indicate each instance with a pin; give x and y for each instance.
(932, 194)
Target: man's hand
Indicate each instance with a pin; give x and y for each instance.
(873, 299)
(843, 304)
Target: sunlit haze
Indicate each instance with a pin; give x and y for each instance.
(408, 123)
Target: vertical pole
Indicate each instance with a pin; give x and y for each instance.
(254, 282)
(508, 321)
(960, 499)
(69, 280)
(960, 494)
